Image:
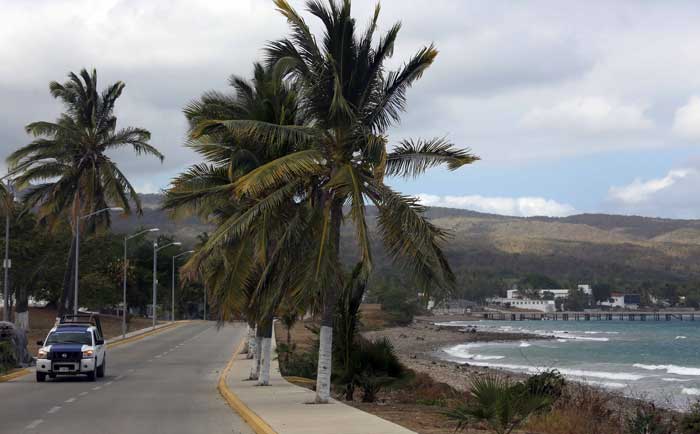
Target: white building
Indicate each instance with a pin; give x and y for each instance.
(525, 303)
(624, 301)
(557, 293)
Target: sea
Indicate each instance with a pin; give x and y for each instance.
(657, 361)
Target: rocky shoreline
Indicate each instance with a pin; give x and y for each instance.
(418, 346)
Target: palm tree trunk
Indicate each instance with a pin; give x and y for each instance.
(265, 353)
(250, 353)
(255, 367)
(325, 350)
(64, 306)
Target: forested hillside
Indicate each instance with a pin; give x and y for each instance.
(491, 252)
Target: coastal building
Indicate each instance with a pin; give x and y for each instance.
(623, 301)
(555, 293)
(525, 303)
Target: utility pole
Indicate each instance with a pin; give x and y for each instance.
(6, 263)
(156, 249)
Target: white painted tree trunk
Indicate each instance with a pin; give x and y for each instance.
(22, 320)
(255, 367)
(265, 358)
(250, 353)
(325, 360)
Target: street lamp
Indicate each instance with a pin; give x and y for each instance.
(156, 249)
(172, 303)
(77, 250)
(127, 238)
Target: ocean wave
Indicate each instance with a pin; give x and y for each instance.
(680, 337)
(606, 384)
(676, 380)
(524, 345)
(690, 391)
(564, 371)
(562, 340)
(462, 352)
(670, 369)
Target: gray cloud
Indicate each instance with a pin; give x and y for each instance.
(500, 64)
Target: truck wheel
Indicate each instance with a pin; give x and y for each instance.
(52, 376)
(91, 376)
(101, 369)
(40, 377)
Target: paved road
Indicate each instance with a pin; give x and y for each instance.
(165, 383)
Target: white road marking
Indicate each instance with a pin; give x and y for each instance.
(34, 424)
(131, 370)
(119, 378)
(54, 410)
(108, 383)
(97, 388)
(83, 393)
(159, 356)
(69, 400)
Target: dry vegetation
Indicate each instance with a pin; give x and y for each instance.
(419, 400)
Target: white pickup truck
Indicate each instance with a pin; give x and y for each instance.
(75, 346)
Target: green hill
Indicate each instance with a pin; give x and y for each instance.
(489, 251)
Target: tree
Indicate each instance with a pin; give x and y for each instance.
(66, 172)
(601, 291)
(247, 274)
(340, 158)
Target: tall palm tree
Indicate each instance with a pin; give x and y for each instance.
(65, 171)
(340, 157)
(244, 277)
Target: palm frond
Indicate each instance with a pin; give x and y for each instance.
(412, 158)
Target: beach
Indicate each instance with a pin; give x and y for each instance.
(654, 362)
(418, 346)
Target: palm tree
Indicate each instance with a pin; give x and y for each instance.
(340, 158)
(65, 171)
(504, 406)
(245, 276)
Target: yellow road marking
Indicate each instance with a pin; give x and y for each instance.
(248, 415)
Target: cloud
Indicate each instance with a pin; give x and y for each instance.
(686, 123)
(512, 206)
(588, 115)
(639, 191)
(673, 195)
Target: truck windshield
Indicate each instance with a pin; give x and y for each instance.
(59, 337)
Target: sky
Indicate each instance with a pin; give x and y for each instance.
(572, 106)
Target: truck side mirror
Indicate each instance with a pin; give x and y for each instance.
(100, 342)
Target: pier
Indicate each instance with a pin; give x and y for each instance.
(589, 316)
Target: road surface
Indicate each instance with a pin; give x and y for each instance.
(165, 383)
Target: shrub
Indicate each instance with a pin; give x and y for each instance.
(372, 365)
(648, 420)
(502, 405)
(548, 383)
(690, 424)
(297, 364)
(7, 356)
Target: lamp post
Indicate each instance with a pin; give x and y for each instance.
(156, 249)
(127, 238)
(6, 263)
(172, 303)
(77, 250)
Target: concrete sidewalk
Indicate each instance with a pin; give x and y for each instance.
(287, 409)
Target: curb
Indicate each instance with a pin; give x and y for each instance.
(253, 420)
(21, 372)
(26, 371)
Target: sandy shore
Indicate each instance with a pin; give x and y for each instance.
(418, 346)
